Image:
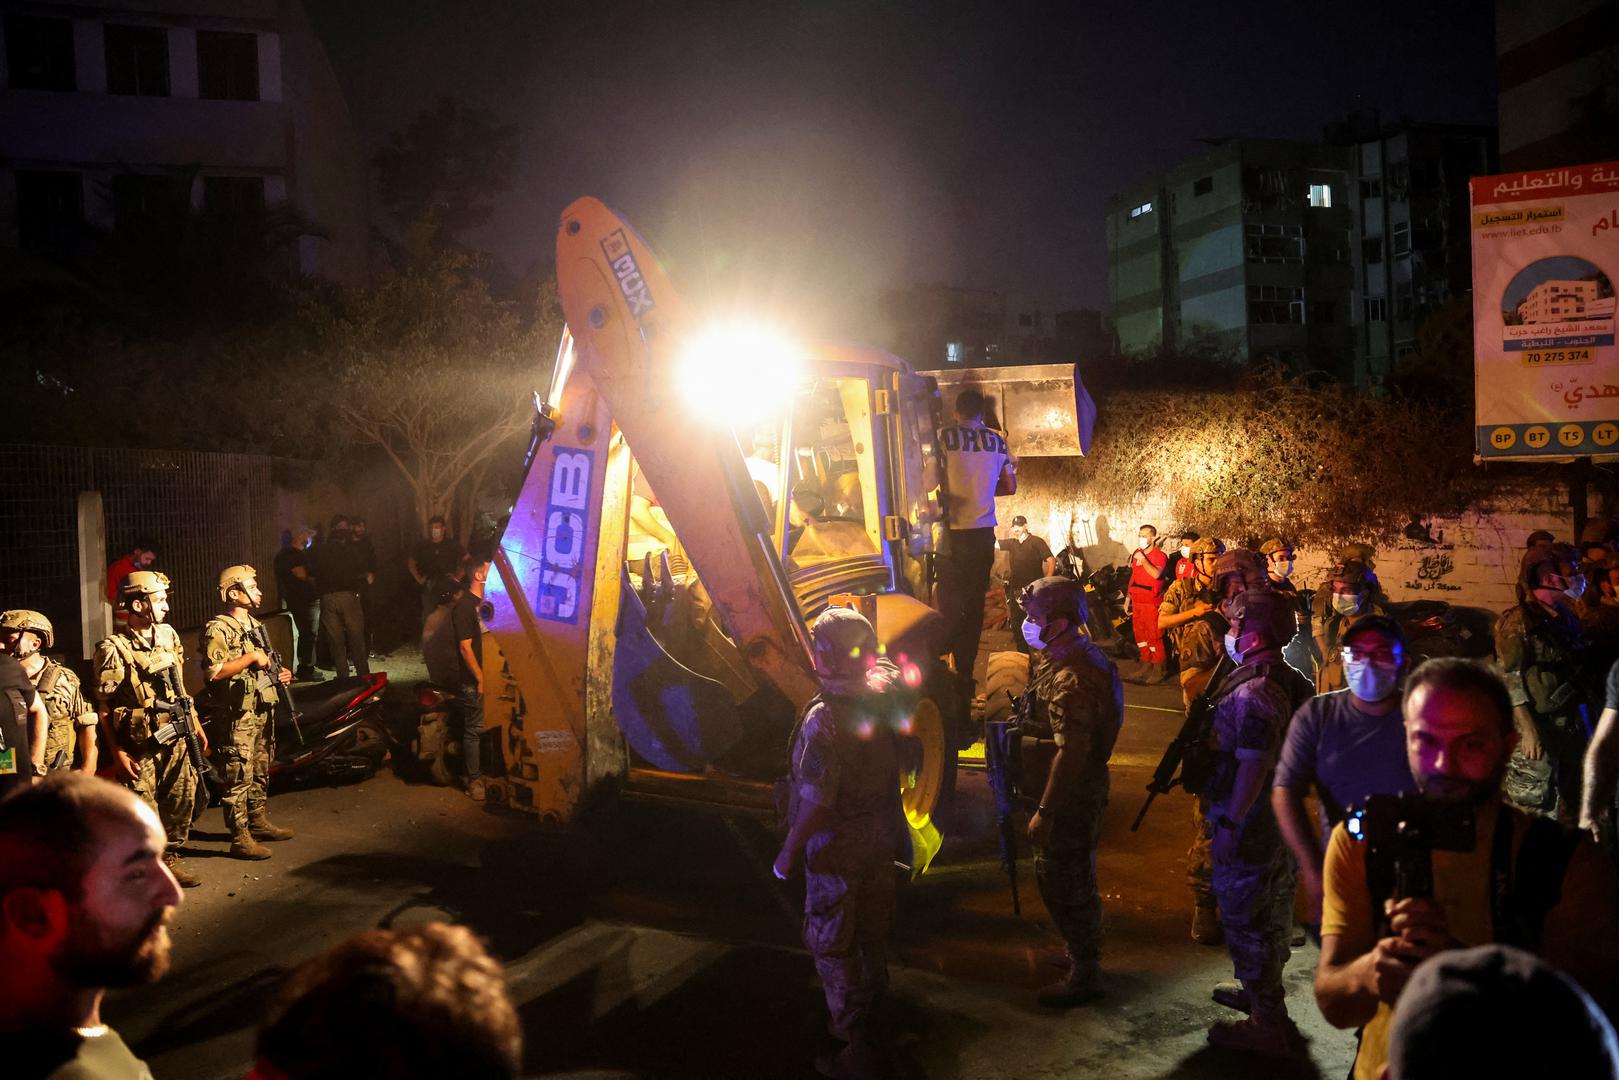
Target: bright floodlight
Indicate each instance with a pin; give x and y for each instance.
(740, 373)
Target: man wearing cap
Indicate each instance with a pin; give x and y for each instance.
(844, 824)
(1347, 745)
(135, 669)
(1078, 707)
(1029, 559)
(1278, 556)
(240, 705)
(1180, 560)
(1190, 616)
(1351, 592)
(72, 730)
(1252, 871)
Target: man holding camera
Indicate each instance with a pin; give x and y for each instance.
(1526, 881)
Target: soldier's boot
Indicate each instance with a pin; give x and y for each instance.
(182, 874)
(1082, 985)
(1232, 995)
(259, 824)
(1206, 928)
(1268, 1031)
(243, 846)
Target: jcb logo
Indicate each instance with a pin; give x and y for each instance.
(630, 282)
(562, 560)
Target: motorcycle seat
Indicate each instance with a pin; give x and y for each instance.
(323, 701)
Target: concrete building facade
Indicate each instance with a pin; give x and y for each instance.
(1321, 256)
(111, 109)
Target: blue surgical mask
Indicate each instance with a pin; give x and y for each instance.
(1031, 634)
(1369, 681)
(1231, 649)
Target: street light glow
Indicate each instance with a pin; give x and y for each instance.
(740, 372)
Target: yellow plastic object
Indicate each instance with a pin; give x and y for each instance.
(921, 791)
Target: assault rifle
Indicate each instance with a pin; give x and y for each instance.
(182, 724)
(1187, 761)
(284, 710)
(1001, 752)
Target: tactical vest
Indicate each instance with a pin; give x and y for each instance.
(59, 736)
(144, 683)
(249, 689)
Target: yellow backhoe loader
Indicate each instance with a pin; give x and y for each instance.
(692, 497)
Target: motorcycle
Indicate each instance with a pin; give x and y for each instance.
(335, 731)
(431, 744)
(1107, 621)
(1436, 628)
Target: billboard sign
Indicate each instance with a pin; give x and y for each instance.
(1545, 367)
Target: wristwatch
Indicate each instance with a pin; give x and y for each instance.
(1223, 822)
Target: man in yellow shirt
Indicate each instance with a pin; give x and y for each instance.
(1526, 881)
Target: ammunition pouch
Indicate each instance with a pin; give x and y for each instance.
(134, 730)
(1031, 765)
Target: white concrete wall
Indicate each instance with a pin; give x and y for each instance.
(1473, 562)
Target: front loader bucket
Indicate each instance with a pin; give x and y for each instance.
(671, 716)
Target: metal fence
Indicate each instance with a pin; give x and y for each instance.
(206, 511)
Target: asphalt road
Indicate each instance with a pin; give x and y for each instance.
(653, 942)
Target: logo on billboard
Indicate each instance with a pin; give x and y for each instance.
(562, 558)
(630, 282)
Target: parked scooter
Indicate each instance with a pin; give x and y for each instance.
(335, 732)
(1436, 628)
(431, 746)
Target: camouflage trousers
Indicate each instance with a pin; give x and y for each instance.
(167, 782)
(1557, 779)
(1065, 870)
(1256, 909)
(848, 908)
(243, 754)
(1199, 870)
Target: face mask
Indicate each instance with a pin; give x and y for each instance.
(1345, 603)
(1231, 649)
(1576, 587)
(1020, 533)
(1186, 551)
(1031, 634)
(1282, 568)
(1143, 542)
(1368, 681)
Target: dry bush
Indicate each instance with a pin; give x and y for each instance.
(1275, 456)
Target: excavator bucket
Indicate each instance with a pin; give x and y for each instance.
(673, 717)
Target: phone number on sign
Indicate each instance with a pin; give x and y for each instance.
(1557, 356)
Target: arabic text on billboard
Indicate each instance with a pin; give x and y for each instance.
(1545, 256)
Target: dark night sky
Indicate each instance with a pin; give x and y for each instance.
(793, 159)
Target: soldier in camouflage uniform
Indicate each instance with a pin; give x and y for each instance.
(134, 669)
(25, 635)
(1352, 591)
(239, 705)
(1545, 660)
(846, 823)
(1078, 706)
(1253, 870)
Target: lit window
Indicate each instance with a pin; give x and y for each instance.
(1321, 196)
(1137, 211)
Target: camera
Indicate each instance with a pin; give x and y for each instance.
(1401, 833)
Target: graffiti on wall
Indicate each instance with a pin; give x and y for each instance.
(1436, 563)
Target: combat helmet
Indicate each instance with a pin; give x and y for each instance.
(1244, 563)
(1273, 545)
(1261, 618)
(1207, 546)
(845, 649)
(143, 583)
(232, 576)
(23, 619)
(1054, 595)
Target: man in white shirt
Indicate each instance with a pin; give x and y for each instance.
(975, 458)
